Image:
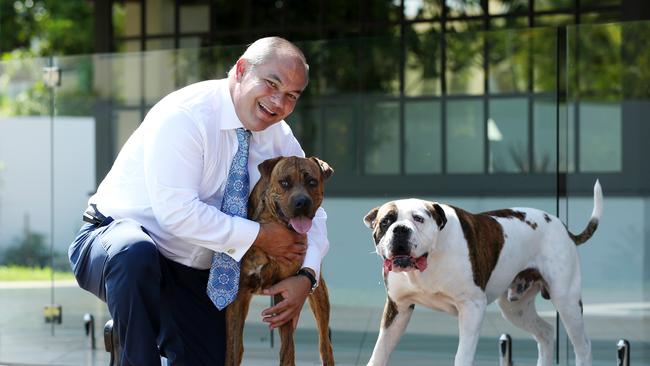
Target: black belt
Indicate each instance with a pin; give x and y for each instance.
(93, 216)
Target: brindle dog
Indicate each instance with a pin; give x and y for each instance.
(289, 191)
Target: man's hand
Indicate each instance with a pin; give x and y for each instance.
(280, 242)
(294, 291)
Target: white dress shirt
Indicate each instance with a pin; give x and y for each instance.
(171, 174)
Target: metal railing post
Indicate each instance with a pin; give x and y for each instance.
(623, 354)
(505, 350)
(89, 325)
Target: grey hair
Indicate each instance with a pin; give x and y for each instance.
(267, 48)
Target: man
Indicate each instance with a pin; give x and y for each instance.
(155, 222)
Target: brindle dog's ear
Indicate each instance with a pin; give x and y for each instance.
(325, 168)
(437, 213)
(266, 167)
(370, 217)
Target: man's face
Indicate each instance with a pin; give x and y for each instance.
(267, 93)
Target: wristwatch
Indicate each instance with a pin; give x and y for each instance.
(312, 279)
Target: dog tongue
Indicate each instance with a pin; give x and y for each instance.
(388, 265)
(300, 224)
(421, 263)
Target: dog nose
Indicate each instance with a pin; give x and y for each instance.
(401, 231)
(301, 203)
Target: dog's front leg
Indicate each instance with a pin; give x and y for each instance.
(395, 319)
(470, 317)
(235, 318)
(287, 349)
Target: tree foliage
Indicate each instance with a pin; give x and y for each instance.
(46, 28)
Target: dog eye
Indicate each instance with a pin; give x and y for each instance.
(418, 218)
(312, 182)
(284, 183)
(384, 223)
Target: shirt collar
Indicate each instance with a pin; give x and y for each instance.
(227, 117)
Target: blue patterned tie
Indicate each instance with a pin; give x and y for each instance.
(224, 273)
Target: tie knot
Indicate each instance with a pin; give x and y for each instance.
(243, 136)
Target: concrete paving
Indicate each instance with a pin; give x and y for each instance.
(431, 338)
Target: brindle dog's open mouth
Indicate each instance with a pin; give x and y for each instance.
(300, 224)
(405, 263)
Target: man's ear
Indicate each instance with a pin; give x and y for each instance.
(240, 68)
(370, 217)
(266, 167)
(437, 213)
(325, 168)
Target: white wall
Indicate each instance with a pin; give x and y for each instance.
(28, 182)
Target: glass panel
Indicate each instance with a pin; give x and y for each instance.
(124, 123)
(299, 14)
(159, 76)
(129, 18)
(306, 124)
(422, 9)
(378, 63)
(463, 7)
(590, 3)
(336, 13)
(598, 65)
(230, 15)
(508, 22)
(341, 138)
(381, 138)
(159, 44)
(509, 62)
(465, 73)
(160, 17)
(124, 77)
(507, 6)
(507, 133)
(423, 130)
(600, 137)
(46, 171)
(611, 107)
(543, 45)
(102, 98)
(190, 42)
(602, 17)
(567, 139)
(541, 5)
(128, 46)
(554, 20)
(328, 60)
(544, 134)
(423, 55)
(194, 18)
(381, 11)
(465, 136)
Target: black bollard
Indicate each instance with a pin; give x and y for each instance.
(89, 325)
(505, 350)
(623, 357)
(111, 343)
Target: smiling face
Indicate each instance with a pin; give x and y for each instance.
(266, 93)
(404, 232)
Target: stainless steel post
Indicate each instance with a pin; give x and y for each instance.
(505, 350)
(623, 357)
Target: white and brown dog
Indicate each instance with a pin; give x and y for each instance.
(450, 260)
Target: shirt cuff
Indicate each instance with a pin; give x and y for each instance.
(242, 237)
(313, 259)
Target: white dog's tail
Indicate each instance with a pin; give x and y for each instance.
(595, 217)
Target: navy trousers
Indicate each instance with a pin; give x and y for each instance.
(159, 307)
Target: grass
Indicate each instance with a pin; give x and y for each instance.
(19, 273)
